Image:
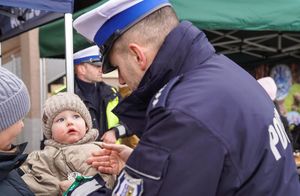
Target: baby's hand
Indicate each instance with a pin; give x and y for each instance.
(64, 185)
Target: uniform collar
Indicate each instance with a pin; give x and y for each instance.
(85, 86)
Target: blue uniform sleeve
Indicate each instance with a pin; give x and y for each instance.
(168, 156)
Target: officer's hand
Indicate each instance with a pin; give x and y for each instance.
(109, 137)
(111, 159)
(122, 150)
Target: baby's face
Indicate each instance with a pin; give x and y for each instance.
(68, 127)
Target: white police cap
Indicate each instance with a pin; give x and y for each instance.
(104, 24)
(88, 55)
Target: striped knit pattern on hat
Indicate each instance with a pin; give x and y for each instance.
(14, 99)
(59, 103)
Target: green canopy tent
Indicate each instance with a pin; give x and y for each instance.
(244, 30)
(51, 37)
(280, 15)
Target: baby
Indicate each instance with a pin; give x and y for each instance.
(70, 140)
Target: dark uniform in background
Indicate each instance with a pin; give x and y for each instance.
(98, 97)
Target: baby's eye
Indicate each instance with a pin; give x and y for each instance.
(76, 116)
(60, 120)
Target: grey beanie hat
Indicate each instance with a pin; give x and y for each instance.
(14, 99)
(61, 102)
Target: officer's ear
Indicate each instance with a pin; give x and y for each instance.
(81, 68)
(139, 54)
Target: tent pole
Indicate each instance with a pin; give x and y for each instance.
(44, 88)
(69, 52)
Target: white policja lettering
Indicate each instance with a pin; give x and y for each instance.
(277, 134)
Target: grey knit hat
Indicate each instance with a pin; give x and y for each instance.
(61, 102)
(14, 99)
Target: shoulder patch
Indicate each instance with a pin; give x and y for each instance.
(161, 96)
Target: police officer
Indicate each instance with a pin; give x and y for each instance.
(99, 97)
(206, 126)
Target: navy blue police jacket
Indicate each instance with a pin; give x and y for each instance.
(206, 127)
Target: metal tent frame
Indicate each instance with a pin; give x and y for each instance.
(262, 44)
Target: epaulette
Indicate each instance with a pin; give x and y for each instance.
(161, 97)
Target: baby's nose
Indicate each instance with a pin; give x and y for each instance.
(70, 121)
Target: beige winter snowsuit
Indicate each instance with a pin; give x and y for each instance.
(46, 168)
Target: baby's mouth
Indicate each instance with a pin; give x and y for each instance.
(72, 131)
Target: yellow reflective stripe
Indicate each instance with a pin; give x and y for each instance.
(112, 119)
(63, 88)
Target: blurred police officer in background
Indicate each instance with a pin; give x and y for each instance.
(99, 97)
(206, 126)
